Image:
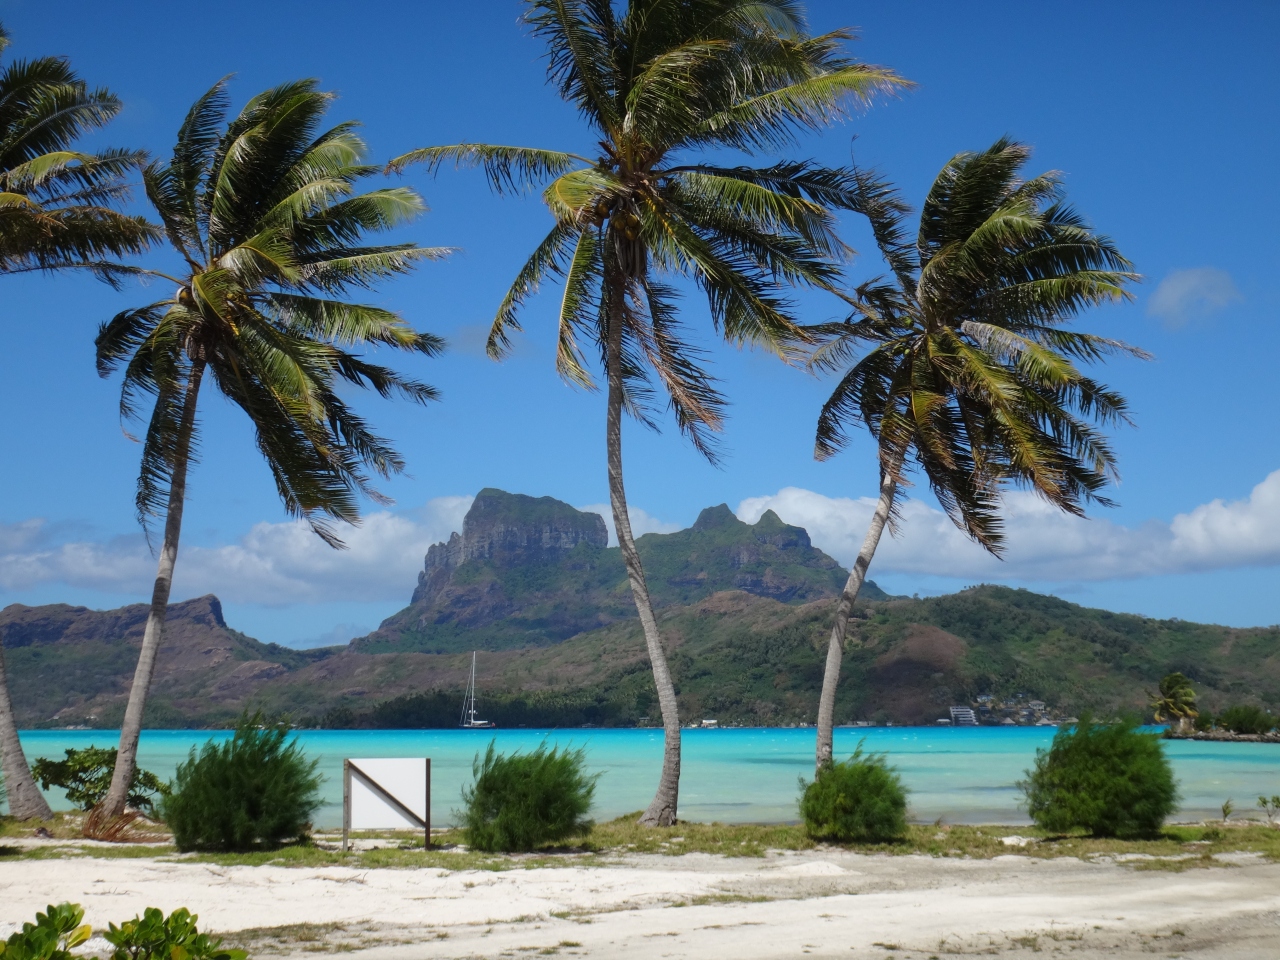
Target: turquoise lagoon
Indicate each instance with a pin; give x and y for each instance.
(734, 775)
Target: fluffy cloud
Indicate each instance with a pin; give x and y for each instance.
(1044, 544)
(641, 522)
(275, 564)
(1187, 295)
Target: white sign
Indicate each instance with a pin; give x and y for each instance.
(386, 793)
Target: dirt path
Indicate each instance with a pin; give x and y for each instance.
(822, 903)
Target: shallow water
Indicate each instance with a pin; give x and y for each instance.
(740, 775)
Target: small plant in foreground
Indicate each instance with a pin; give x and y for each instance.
(1109, 779)
(51, 937)
(153, 936)
(525, 800)
(856, 800)
(85, 775)
(253, 790)
(1270, 806)
(1228, 808)
(1246, 718)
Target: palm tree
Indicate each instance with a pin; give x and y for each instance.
(971, 375)
(265, 216)
(656, 83)
(55, 202)
(55, 213)
(1175, 702)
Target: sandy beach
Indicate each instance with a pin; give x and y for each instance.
(826, 903)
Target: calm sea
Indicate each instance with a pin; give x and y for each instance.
(964, 775)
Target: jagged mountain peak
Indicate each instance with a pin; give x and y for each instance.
(535, 570)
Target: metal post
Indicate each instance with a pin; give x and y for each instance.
(346, 804)
(427, 843)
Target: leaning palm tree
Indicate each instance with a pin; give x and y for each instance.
(971, 375)
(1175, 702)
(56, 203)
(265, 217)
(55, 213)
(656, 83)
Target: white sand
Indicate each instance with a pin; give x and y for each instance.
(823, 903)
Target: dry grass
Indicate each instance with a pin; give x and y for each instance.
(1176, 848)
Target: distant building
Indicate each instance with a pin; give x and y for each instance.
(963, 717)
(711, 723)
(986, 698)
(1036, 705)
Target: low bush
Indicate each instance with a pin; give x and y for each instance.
(85, 775)
(149, 937)
(256, 789)
(527, 800)
(1246, 718)
(856, 800)
(1109, 779)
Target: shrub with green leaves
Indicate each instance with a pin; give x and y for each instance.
(85, 775)
(149, 937)
(527, 800)
(1246, 718)
(255, 790)
(1109, 779)
(153, 936)
(861, 799)
(51, 937)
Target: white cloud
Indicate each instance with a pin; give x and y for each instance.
(1187, 295)
(1044, 544)
(641, 522)
(275, 564)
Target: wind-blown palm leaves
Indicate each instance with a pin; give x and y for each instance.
(265, 215)
(56, 202)
(1175, 701)
(971, 375)
(655, 83)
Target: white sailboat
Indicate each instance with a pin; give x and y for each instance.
(469, 721)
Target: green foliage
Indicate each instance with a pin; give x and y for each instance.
(1175, 700)
(1109, 779)
(1205, 721)
(51, 937)
(522, 801)
(153, 936)
(253, 790)
(1269, 806)
(56, 203)
(85, 775)
(1246, 718)
(859, 800)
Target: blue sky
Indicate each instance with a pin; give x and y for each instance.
(1164, 125)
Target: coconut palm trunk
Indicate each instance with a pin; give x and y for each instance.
(25, 801)
(835, 646)
(662, 810)
(131, 729)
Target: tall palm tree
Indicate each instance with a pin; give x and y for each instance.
(1175, 701)
(56, 202)
(971, 375)
(265, 217)
(55, 213)
(656, 83)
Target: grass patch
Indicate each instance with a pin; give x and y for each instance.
(1194, 847)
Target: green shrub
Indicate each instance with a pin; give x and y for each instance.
(856, 800)
(86, 776)
(1246, 718)
(1109, 779)
(526, 800)
(51, 937)
(1205, 721)
(153, 936)
(251, 791)
(150, 937)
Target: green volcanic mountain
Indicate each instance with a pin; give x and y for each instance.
(531, 583)
(533, 572)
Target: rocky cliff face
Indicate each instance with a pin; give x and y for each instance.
(531, 571)
(509, 529)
